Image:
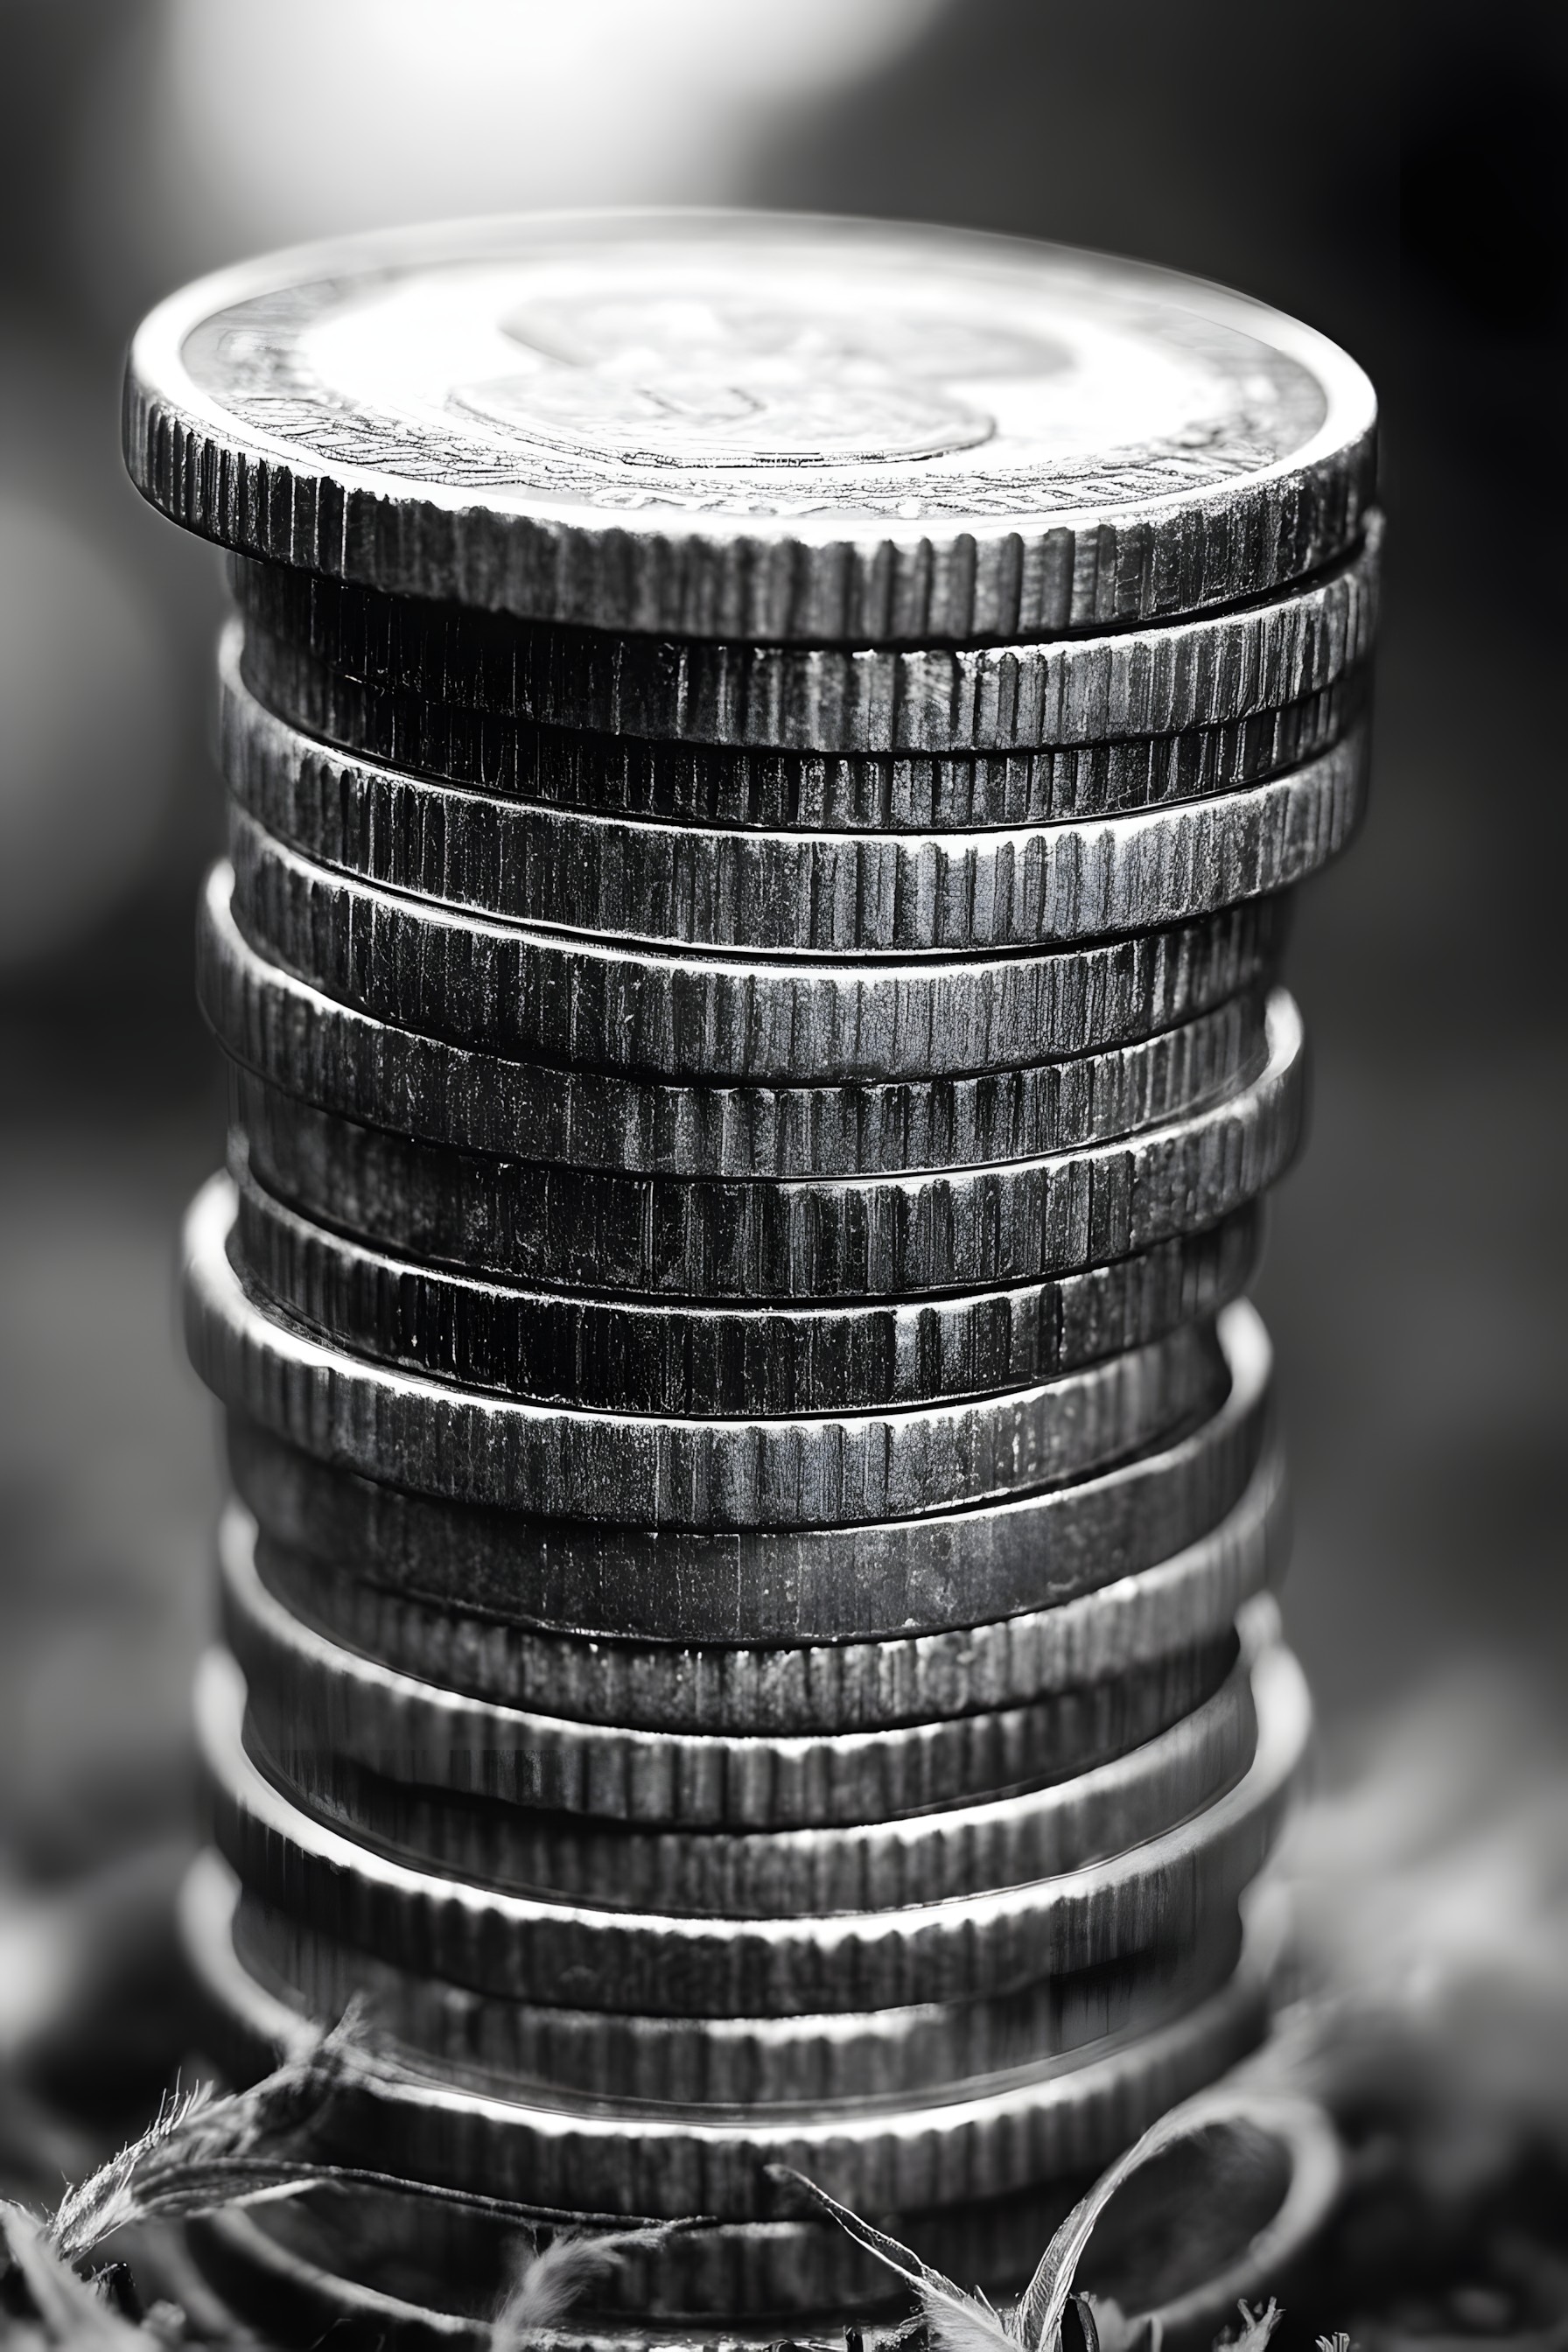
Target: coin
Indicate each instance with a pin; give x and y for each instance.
(760, 1874)
(748, 426)
(830, 791)
(1277, 2195)
(1167, 1891)
(1184, 1602)
(649, 1470)
(897, 1586)
(1156, 679)
(312, 1702)
(358, 1775)
(582, 1348)
(504, 987)
(1041, 2121)
(309, 1045)
(707, 1239)
(483, 2043)
(769, 893)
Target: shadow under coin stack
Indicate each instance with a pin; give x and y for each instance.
(765, 762)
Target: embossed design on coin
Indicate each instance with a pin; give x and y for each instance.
(765, 427)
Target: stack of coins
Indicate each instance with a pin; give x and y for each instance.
(765, 762)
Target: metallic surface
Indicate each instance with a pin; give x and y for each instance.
(770, 893)
(1168, 1891)
(329, 1053)
(486, 2044)
(1184, 1603)
(1159, 680)
(752, 425)
(764, 1874)
(313, 1702)
(654, 1471)
(890, 1590)
(1002, 2134)
(705, 1240)
(654, 1012)
(737, 786)
(644, 1356)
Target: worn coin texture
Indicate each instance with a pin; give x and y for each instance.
(739, 785)
(639, 1355)
(877, 1599)
(711, 1239)
(321, 1051)
(1184, 1602)
(750, 426)
(484, 2042)
(978, 2139)
(1158, 679)
(1038, 2122)
(762, 1874)
(526, 1946)
(652, 1471)
(772, 893)
(312, 1701)
(574, 998)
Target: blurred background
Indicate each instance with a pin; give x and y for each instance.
(1410, 204)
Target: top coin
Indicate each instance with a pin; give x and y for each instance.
(751, 426)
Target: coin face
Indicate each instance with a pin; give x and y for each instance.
(557, 411)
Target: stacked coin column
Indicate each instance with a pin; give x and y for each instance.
(745, 1599)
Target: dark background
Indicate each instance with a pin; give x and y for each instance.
(1407, 200)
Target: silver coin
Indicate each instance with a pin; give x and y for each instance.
(789, 792)
(1184, 1603)
(503, 988)
(1059, 2115)
(762, 1873)
(769, 893)
(360, 1783)
(748, 426)
(1275, 2193)
(312, 1701)
(1168, 1891)
(634, 1356)
(881, 1598)
(1156, 679)
(482, 2043)
(308, 1045)
(652, 1471)
(707, 1240)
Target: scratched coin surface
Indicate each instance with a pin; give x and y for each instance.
(1167, 676)
(739, 787)
(866, 1604)
(661, 884)
(752, 425)
(381, 1075)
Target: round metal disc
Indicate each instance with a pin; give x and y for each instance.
(737, 786)
(483, 2043)
(933, 698)
(1169, 1891)
(752, 425)
(707, 1240)
(1182, 1603)
(1057, 2116)
(650, 1471)
(310, 1047)
(640, 1357)
(312, 1702)
(847, 1588)
(578, 1000)
(660, 884)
